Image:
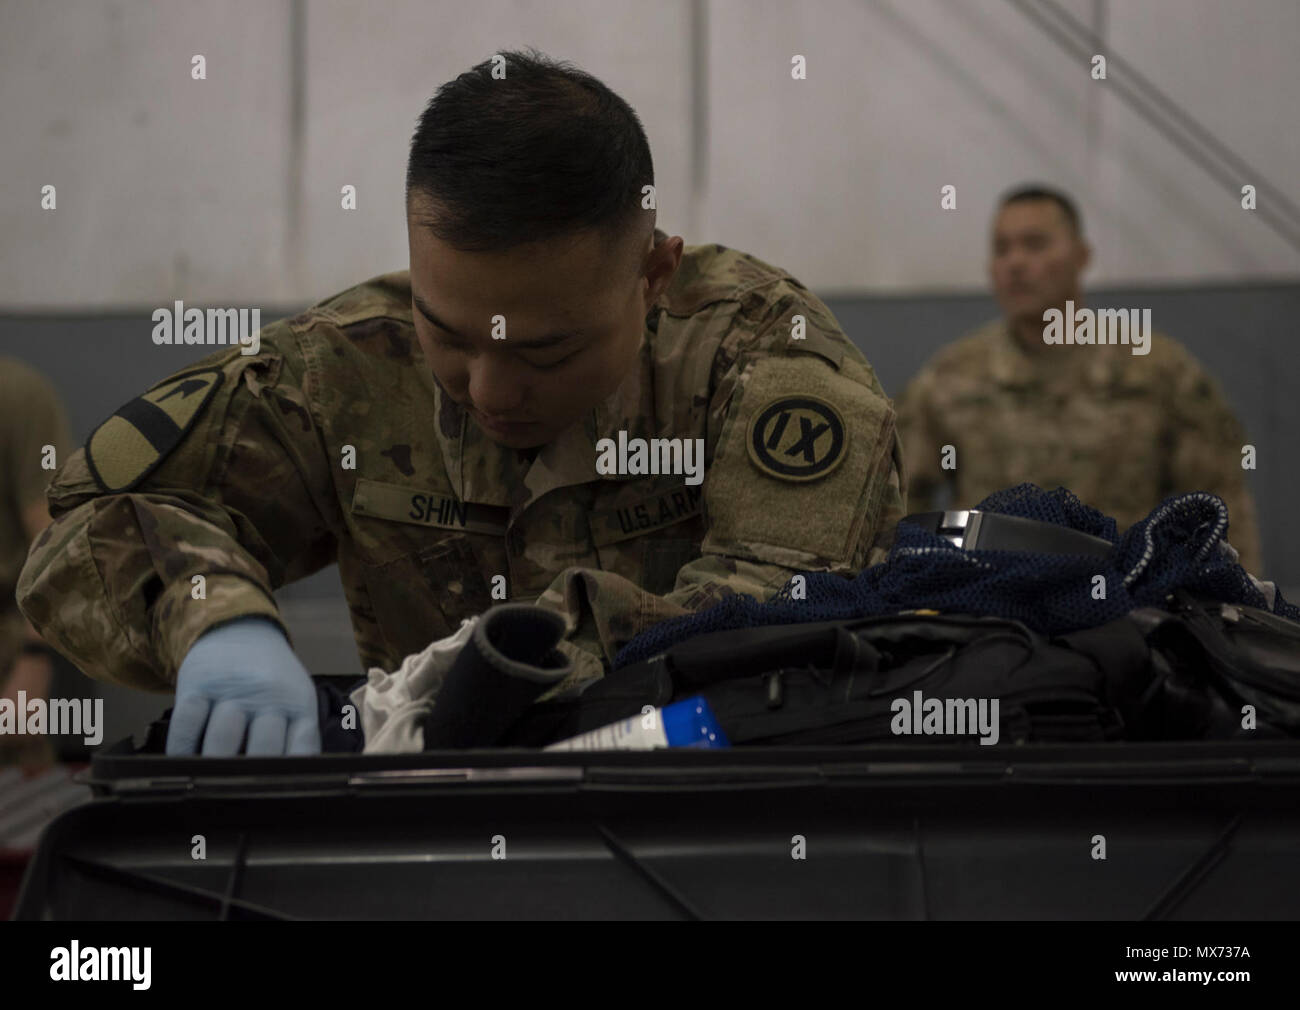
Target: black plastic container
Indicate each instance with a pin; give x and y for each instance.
(1191, 831)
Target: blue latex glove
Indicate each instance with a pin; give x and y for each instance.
(244, 675)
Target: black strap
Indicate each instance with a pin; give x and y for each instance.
(744, 652)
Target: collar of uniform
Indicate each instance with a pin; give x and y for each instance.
(480, 471)
(449, 428)
(625, 409)
(571, 457)
(1011, 365)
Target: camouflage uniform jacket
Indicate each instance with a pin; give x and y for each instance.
(803, 472)
(1122, 431)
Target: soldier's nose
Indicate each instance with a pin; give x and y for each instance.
(496, 390)
(496, 402)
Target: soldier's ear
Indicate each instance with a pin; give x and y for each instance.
(1085, 255)
(661, 265)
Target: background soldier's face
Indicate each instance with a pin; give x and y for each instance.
(1036, 258)
(572, 312)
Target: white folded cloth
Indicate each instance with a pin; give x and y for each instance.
(393, 705)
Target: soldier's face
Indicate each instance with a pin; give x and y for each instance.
(1036, 259)
(529, 339)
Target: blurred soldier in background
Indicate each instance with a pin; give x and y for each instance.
(33, 437)
(1121, 430)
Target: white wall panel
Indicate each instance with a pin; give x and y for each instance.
(369, 77)
(838, 176)
(172, 188)
(167, 187)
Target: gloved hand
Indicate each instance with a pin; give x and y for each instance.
(237, 672)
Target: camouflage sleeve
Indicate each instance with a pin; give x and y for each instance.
(241, 496)
(1206, 455)
(806, 474)
(922, 440)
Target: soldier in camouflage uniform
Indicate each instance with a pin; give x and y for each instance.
(1121, 430)
(31, 419)
(427, 458)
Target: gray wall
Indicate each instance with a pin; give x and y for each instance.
(1246, 336)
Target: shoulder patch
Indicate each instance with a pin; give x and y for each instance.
(127, 447)
(797, 438)
(802, 461)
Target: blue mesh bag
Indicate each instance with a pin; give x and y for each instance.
(1180, 545)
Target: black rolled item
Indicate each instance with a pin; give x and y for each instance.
(509, 661)
(976, 530)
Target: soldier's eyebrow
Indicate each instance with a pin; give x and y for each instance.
(548, 340)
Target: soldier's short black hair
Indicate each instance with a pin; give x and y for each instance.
(543, 153)
(1035, 191)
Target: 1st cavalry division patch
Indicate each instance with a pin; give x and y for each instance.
(798, 438)
(124, 450)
